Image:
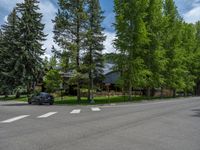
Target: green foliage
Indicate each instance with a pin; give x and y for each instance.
(64, 61)
(155, 47)
(69, 32)
(31, 29)
(21, 61)
(172, 45)
(93, 59)
(9, 53)
(52, 62)
(154, 59)
(131, 39)
(52, 80)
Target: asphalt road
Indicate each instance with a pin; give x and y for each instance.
(166, 125)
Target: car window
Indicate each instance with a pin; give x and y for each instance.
(43, 94)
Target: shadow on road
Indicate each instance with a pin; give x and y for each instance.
(14, 104)
(197, 112)
(23, 104)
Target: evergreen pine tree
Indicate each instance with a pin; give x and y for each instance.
(69, 34)
(1, 52)
(94, 45)
(29, 62)
(9, 53)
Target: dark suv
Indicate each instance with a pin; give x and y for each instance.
(41, 98)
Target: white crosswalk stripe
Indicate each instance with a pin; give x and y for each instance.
(75, 111)
(14, 119)
(95, 109)
(47, 115)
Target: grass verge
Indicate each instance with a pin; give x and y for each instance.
(72, 100)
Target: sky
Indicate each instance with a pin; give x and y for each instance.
(188, 9)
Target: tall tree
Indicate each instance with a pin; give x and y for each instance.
(155, 60)
(131, 40)
(197, 26)
(69, 33)
(172, 45)
(10, 50)
(94, 45)
(1, 52)
(196, 57)
(189, 52)
(29, 62)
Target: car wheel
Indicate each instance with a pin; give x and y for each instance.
(29, 102)
(40, 102)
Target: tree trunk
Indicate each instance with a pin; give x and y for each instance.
(78, 59)
(152, 92)
(185, 94)
(43, 87)
(148, 92)
(130, 93)
(174, 93)
(124, 94)
(78, 92)
(90, 89)
(28, 89)
(89, 93)
(18, 94)
(161, 93)
(197, 89)
(6, 95)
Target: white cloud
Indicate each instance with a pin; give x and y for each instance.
(109, 42)
(48, 10)
(193, 15)
(5, 18)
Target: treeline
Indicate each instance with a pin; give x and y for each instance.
(155, 47)
(77, 31)
(21, 48)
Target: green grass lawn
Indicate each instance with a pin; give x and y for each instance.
(98, 100)
(72, 100)
(12, 98)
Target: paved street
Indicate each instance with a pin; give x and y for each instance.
(162, 125)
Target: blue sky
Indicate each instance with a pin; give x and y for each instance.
(188, 9)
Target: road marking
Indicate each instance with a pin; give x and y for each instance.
(14, 119)
(75, 111)
(47, 115)
(95, 109)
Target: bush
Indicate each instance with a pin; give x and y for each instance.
(52, 81)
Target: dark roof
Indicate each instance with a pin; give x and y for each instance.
(108, 67)
(111, 77)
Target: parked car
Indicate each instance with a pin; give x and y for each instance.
(41, 98)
